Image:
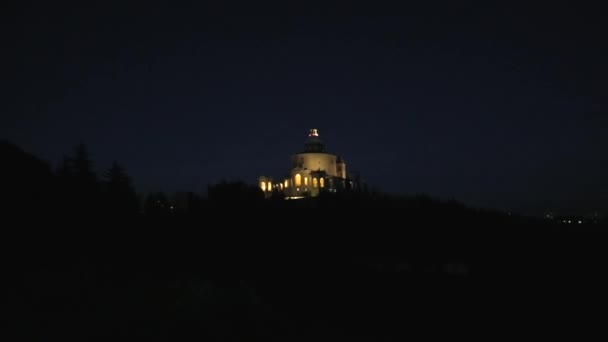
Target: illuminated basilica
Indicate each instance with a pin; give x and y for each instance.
(313, 171)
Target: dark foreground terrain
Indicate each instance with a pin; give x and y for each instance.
(83, 260)
(174, 284)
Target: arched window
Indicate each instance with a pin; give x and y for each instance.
(315, 183)
(322, 181)
(263, 186)
(306, 181)
(281, 186)
(298, 179)
(286, 183)
(269, 186)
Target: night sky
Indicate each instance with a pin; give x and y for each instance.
(495, 106)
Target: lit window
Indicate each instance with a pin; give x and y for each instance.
(298, 180)
(322, 181)
(306, 181)
(269, 186)
(298, 189)
(263, 186)
(287, 183)
(315, 183)
(281, 186)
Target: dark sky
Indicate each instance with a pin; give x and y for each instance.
(496, 105)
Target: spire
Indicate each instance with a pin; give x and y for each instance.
(313, 142)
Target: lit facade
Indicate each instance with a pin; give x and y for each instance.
(312, 172)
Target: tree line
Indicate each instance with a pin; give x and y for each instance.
(342, 275)
(74, 186)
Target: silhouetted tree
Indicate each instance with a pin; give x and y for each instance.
(234, 193)
(187, 203)
(25, 181)
(77, 188)
(83, 167)
(64, 170)
(120, 196)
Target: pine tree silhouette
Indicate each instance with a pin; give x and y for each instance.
(120, 196)
(77, 188)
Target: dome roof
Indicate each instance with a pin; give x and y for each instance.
(313, 142)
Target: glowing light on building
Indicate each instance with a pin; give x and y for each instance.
(322, 181)
(315, 183)
(298, 180)
(313, 133)
(306, 181)
(263, 186)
